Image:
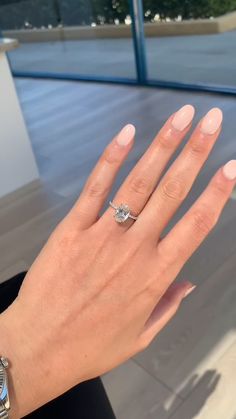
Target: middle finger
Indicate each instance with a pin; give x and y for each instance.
(142, 180)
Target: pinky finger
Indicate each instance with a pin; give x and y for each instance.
(87, 207)
(165, 310)
(193, 228)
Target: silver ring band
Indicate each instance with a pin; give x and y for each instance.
(122, 212)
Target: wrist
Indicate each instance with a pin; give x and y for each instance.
(24, 375)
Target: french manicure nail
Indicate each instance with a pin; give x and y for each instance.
(189, 291)
(212, 121)
(126, 135)
(183, 117)
(229, 170)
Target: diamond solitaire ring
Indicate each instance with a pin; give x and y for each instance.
(122, 212)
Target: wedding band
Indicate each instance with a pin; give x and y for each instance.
(122, 212)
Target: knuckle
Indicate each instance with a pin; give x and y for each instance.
(219, 187)
(203, 221)
(110, 156)
(197, 147)
(164, 141)
(140, 185)
(96, 189)
(173, 189)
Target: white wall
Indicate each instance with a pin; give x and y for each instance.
(17, 163)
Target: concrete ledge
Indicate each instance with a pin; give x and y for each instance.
(227, 22)
(186, 27)
(7, 44)
(71, 33)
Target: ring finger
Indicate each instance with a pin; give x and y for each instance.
(142, 180)
(178, 180)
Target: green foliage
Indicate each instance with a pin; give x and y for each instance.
(188, 9)
(85, 12)
(14, 13)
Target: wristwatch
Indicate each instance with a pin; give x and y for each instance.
(4, 396)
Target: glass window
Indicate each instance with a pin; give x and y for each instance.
(191, 41)
(74, 37)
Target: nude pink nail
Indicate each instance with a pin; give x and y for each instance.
(189, 291)
(183, 117)
(126, 135)
(229, 170)
(212, 121)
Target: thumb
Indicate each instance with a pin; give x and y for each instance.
(166, 309)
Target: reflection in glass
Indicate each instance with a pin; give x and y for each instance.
(191, 41)
(80, 37)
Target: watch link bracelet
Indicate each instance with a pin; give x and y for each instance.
(4, 396)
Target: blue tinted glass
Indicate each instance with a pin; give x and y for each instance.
(77, 37)
(191, 41)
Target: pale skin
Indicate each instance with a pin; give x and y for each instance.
(83, 307)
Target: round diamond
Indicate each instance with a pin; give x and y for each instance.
(122, 213)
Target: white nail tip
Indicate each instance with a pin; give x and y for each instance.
(189, 290)
(126, 135)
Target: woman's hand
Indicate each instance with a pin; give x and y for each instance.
(100, 291)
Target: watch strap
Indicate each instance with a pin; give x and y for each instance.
(3, 412)
(4, 396)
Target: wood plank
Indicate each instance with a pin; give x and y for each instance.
(19, 242)
(134, 394)
(27, 206)
(212, 394)
(14, 269)
(199, 335)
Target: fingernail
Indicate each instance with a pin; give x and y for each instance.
(229, 170)
(183, 117)
(212, 121)
(126, 135)
(189, 291)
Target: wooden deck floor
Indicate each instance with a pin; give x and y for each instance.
(189, 370)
